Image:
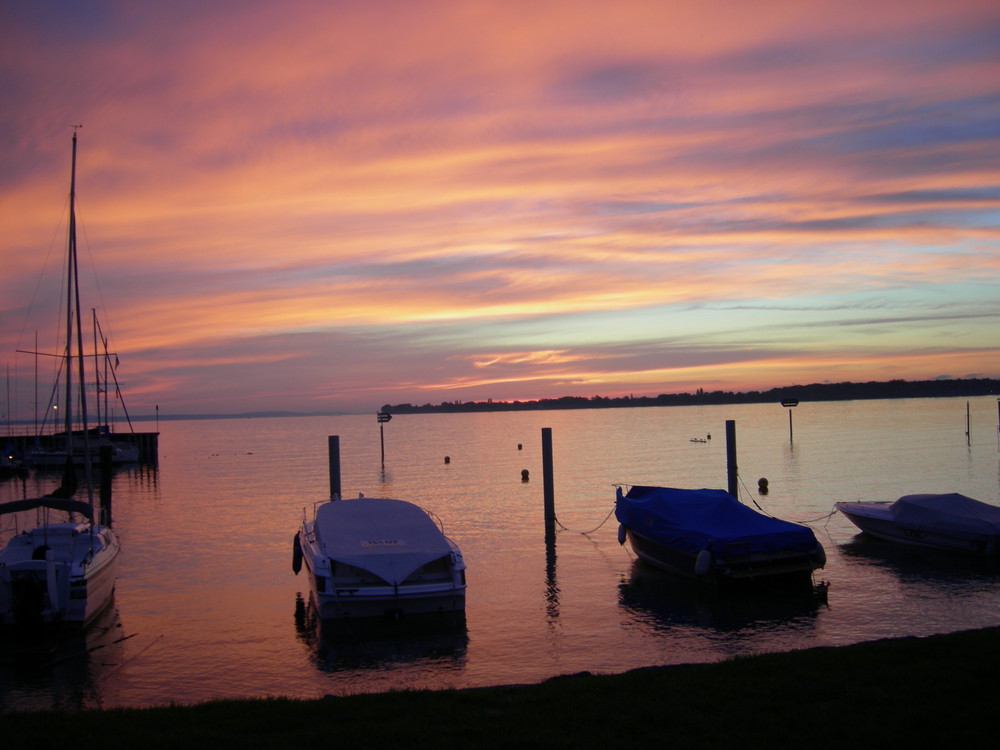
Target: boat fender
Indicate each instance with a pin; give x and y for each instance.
(820, 554)
(296, 555)
(621, 533)
(703, 563)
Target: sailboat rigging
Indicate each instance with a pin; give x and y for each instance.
(62, 572)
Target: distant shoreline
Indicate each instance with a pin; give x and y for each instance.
(966, 388)
(963, 388)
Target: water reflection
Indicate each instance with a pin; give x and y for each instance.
(918, 566)
(60, 669)
(205, 571)
(377, 644)
(663, 602)
(551, 583)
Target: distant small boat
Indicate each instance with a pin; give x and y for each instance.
(379, 558)
(948, 521)
(710, 536)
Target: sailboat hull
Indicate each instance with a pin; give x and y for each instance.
(58, 573)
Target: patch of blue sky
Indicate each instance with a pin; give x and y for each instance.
(971, 218)
(630, 207)
(983, 193)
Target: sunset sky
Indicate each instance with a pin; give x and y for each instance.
(323, 206)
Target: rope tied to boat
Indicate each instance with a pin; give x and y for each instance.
(590, 531)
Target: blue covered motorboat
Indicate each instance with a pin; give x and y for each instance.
(709, 535)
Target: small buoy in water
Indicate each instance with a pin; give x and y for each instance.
(519, 446)
(447, 459)
(762, 485)
(524, 475)
(709, 436)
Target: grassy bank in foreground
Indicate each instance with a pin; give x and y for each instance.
(941, 689)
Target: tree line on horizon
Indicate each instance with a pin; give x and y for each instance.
(814, 392)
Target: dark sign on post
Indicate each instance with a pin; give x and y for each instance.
(790, 402)
(382, 417)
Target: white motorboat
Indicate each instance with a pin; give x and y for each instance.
(379, 558)
(61, 572)
(948, 521)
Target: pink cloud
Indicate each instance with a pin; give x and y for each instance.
(508, 183)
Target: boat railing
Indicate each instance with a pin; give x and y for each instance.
(435, 518)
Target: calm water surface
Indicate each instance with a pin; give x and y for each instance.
(207, 605)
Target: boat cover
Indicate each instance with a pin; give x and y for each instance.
(693, 520)
(390, 538)
(57, 503)
(950, 514)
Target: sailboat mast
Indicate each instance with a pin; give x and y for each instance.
(70, 276)
(97, 369)
(75, 304)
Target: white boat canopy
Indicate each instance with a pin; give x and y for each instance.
(389, 538)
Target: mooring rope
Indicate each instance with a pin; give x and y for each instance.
(591, 531)
(128, 660)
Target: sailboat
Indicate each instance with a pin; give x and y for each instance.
(62, 572)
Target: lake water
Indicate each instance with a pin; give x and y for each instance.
(207, 605)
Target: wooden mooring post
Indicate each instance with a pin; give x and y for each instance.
(106, 478)
(548, 486)
(731, 470)
(333, 446)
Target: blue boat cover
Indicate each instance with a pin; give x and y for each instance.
(692, 520)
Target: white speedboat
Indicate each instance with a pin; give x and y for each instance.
(61, 572)
(379, 558)
(941, 521)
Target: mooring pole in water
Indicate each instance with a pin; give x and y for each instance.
(105, 454)
(382, 417)
(968, 425)
(548, 486)
(333, 446)
(731, 457)
(790, 403)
